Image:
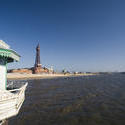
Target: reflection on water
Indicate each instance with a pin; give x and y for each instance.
(90, 100)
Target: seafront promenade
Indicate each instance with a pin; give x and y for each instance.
(11, 76)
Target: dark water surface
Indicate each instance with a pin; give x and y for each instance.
(90, 100)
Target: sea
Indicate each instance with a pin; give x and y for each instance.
(83, 100)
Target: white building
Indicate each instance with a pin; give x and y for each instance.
(10, 100)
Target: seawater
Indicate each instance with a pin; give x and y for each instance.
(86, 100)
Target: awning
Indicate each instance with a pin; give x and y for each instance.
(9, 54)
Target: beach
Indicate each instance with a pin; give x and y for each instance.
(11, 76)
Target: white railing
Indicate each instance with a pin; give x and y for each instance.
(15, 84)
(11, 102)
(23, 87)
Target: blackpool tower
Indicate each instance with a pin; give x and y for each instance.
(37, 66)
(37, 61)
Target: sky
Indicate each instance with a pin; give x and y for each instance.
(76, 35)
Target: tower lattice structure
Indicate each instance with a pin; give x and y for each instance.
(38, 66)
(37, 61)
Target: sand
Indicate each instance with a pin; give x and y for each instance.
(11, 76)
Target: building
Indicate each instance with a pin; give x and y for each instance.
(37, 69)
(11, 99)
(6, 56)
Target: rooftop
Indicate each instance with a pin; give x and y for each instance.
(4, 45)
(10, 54)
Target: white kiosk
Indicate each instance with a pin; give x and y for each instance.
(10, 100)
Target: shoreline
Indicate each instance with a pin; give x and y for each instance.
(19, 76)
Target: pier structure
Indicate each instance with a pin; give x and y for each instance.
(11, 97)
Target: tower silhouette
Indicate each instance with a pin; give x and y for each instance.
(37, 61)
(37, 66)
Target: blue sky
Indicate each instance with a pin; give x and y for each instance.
(82, 35)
